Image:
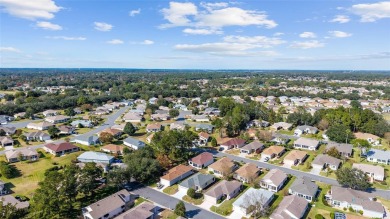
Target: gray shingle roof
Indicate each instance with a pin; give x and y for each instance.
(198, 180)
(304, 185)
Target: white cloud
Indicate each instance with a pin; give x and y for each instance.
(147, 42)
(9, 49)
(177, 13)
(65, 38)
(201, 31)
(101, 26)
(234, 46)
(30, 9)
(278, 34)
(48, 25)
(115, 41)
(372, 12)
(307, 35)
(307, 44)
(133, 13)
(214, 17)
(340, 19)
(339, 34)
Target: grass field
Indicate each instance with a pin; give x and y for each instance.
(32, 173)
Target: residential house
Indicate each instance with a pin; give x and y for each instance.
(212, 111)
(223, 190)
(253, 147)
(177, 126)
(11, 200)
(120, 127)
(48, 113)
(323, 161)
(378, 156)
(357, 200)
(154, 127)
(274, 180)
(20, 115)
(82, 123)
(344, 149)
(200, 118)
(6, 141)
(295, 157)
(305, 129)
(203, 138)
(113, 149)
(280, 139)
(176, 174)
(23, 154)
(304, 187)
(244, 203)
(66, 130)
(306, 144)
(40, 125)
(233, 143)
(198, 182)
(374, 172)
(204, 127)
(160, 117)
(114, 132)
(271, 152)
(247, 173)
(96, 157)
(202, 160)
(37, 136)
(60, 149)
(8, 130)
(110, 206)
(257, 123)
(133, 143)
(222, 167)
(145, 210)
(87, 140)
(372, 139)
(4, 119)
(291, 207)
(77, 110)
(57, 119)
(281, 125)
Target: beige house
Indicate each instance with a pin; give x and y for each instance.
(176, 174)
(374, 172)
(223, 190)
(271, 152)
(222, 167)
(274, 180)
(247, 173)
(295, 157)
(291, 207)
(23, 154)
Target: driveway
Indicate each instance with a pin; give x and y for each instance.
(236, 214)
(315, 171)
(287, 165)
(180, 194)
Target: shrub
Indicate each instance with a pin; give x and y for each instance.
(361, 212)
(351, 209)
(331, 215)
(324, 201)
(319, 216)
(191, 192)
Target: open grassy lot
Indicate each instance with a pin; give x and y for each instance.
(32, 173)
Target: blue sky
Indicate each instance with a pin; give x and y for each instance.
(261, 34)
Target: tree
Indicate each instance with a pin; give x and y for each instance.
(353, 178)
(106, 137)
(333, 152)
(361, 143)
(2, 132)
(118, 177)
(29, 113)
(174, 113)
(218, 125)
(257, 205)
(9, 211)
(69, 112)
(87, 178)
(142, 165)
(213, 142)
(129, 129)
(195, 110)
(191, 192)
(180, 209)
(323, 124)
(53, 131)
(8, 171)
(264, 135)
(339, 133)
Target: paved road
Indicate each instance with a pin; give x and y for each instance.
(109, 122)
(377, 192)
(170, 203)
(23, 124)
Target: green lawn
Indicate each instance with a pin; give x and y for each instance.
(171, 189)
(32, 173)
(196, 201)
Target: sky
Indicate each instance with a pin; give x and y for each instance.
(254, 34)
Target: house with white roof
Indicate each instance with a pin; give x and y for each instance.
(378, 156)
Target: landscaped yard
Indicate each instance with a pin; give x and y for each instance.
(196, 201)
(170, 190)
(167, 214)
(32, 173)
